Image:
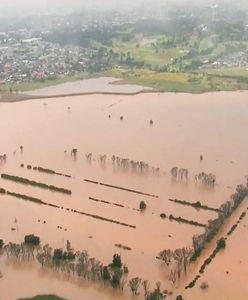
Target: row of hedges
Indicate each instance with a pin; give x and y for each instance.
(123, 247)
(37, 184)
(2, 191)
(120, 188)
(221, 244)
(236, 224)
(38, 201)
(20, 196)
(195, 204)
(104, 219)
(46, 170)
(106, 202)
(182, 220)
(128, 190)
(213, 226)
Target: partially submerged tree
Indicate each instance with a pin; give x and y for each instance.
(134, 284)
(68, 246)
(142, 205)
(32, 240)
(157, 294)
(116, 279)
(221, 243)
(166, 256)
(74, 152)
(78, 264)
(173, 276)
(106, 273)
(145, 285)
(117, 261)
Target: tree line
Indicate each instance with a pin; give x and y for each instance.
(80, 264)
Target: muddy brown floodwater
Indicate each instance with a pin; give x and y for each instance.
(184, 127)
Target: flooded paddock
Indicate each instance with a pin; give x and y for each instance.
(102, 84)
(184, 127)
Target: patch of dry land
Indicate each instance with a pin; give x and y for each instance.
(106, 189)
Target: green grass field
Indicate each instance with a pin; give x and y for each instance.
(147, 52)
(207, 80)
(232, 72)
(180, 82)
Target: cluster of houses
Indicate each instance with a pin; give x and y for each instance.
(28, 59)
(235, 59)
(25, 56)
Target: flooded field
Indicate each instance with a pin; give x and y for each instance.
(102, 84)
(227, 274)
(184, 127)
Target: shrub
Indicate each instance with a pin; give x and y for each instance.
(58, 254)
(2, 191)
(204, 286)
(123, 247)
(117, 261)
(32, 240)
(69, 255)
(221, 243)
(24, 197)
(1, 244)
(242, 215)
(208, 261)
(157, 294)
(142, 205)
(40, 169)
(191, 285)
